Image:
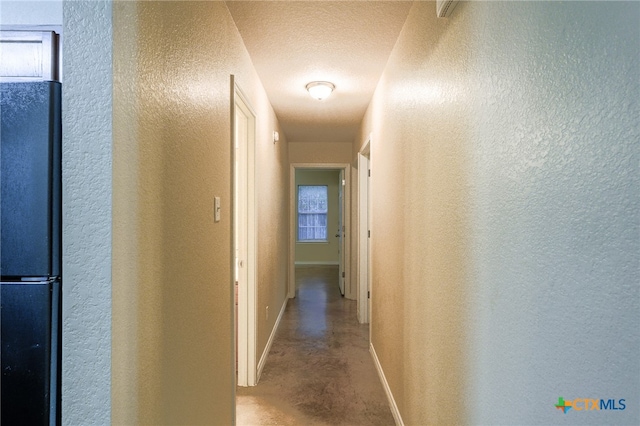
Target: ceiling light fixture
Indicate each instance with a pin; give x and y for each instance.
(320, 89)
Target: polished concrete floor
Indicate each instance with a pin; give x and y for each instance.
(319, 370)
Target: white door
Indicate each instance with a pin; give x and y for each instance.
(244, 240)
(364, 235)
(240, 237)
(369, 269)
(340, 232)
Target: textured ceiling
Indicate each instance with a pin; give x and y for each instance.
(293, 43)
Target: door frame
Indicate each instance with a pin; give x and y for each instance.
(346, 243)
(342, 226)
(364, 237)
(247, 300)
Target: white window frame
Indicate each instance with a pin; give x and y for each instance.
(325, 213)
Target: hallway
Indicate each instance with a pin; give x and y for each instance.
(503, 206)
(319, 370)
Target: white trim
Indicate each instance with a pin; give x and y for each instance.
(291, 293)
(318, 263)
(247, 299)
(291, 285)
(344, 283)
(267, 348)
(364, 223)
(392, 402)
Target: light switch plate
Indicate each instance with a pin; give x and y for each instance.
(216, 209)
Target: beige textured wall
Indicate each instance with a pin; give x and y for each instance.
(172, 294)
(418, 168)
(504, 175)
(272, 209)
(320, 152)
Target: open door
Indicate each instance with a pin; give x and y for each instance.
(243, 122)
(364, 234)
(340, 233)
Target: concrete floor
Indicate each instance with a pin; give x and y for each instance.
(319, 370)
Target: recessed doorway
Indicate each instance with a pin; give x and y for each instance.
(337, 232)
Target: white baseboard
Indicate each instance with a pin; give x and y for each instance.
(267, 348)
(317, 263)
(392, 402)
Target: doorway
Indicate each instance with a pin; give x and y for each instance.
(338, 233)
(244, 241)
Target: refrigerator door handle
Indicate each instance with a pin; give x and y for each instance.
(30, 280)
(36, 279)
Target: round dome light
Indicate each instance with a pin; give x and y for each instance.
(320, 89)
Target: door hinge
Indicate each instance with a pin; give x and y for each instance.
(342, 274)
(368, 295)
(369, 172)
(369, 233)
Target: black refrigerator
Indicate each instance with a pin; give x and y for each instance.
(30, 264)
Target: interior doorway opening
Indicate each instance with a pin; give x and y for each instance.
(337, 232)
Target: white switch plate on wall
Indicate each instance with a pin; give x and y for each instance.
(216, 209)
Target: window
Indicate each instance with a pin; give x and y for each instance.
(312, 213)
